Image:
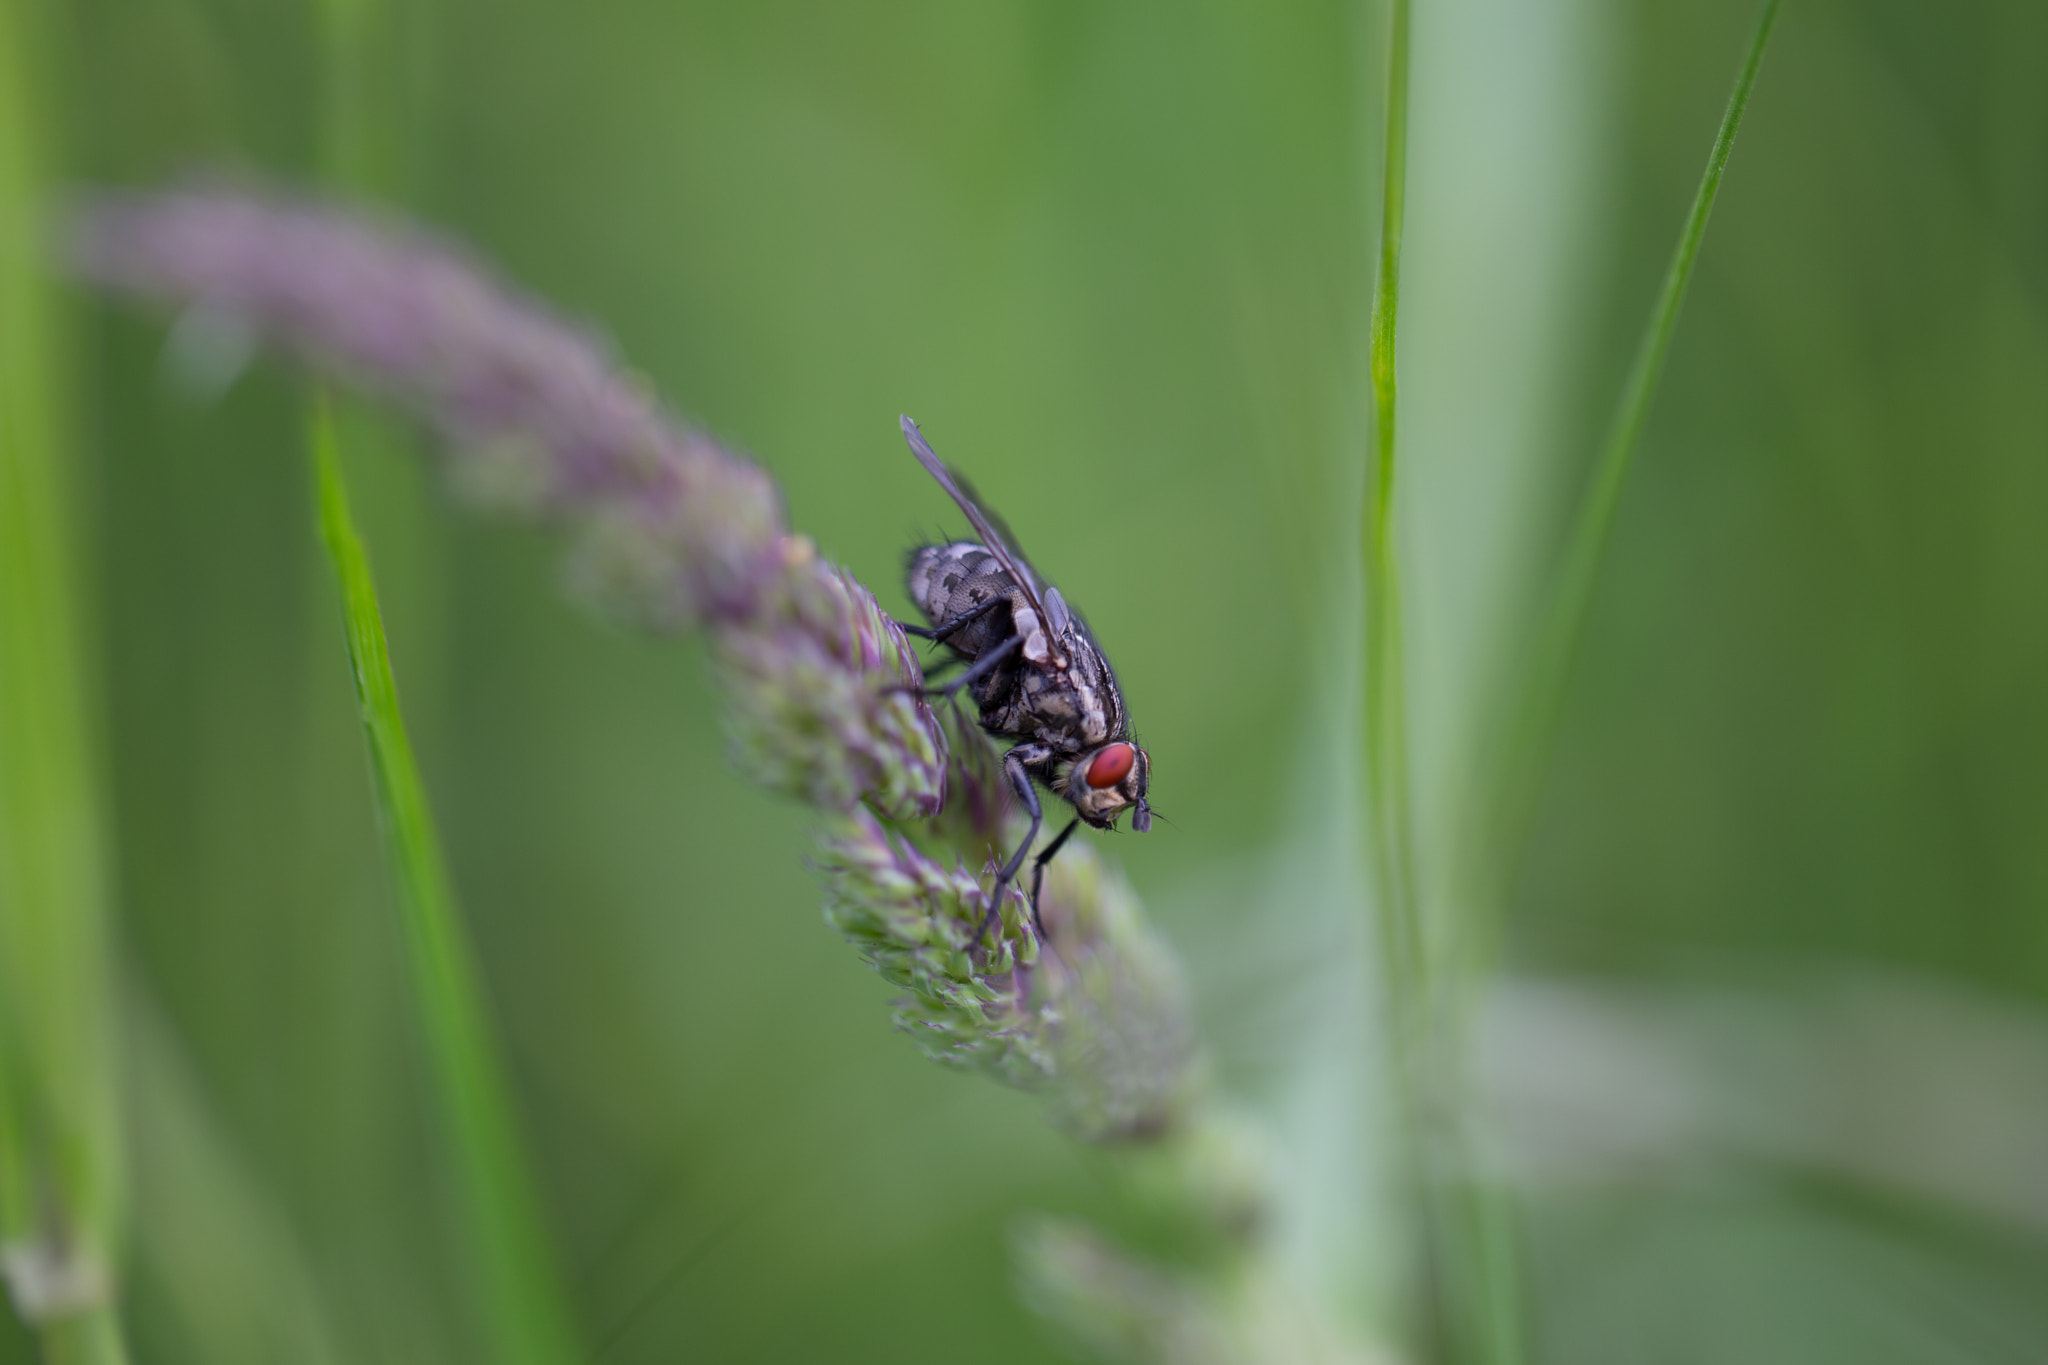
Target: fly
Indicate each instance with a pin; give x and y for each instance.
(1036, 676)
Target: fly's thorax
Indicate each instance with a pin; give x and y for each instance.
(1099, 706)
(1072, 709)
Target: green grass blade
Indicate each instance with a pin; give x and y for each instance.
(93, 1338)
(60, 1140)
(1465, 1226)
(526, 1314)
(1482, 1278)
(1473, 1302)
(1564, 619)
(225, 1262)
(1386, 295)
(1385, 721)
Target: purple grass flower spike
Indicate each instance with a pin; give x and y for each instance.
(914, 920)
(538, 416)
(1096, 1018)
(673, 530)
(541, 421)
(814, 677)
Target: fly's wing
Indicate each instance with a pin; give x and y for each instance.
(1002, 543)
(996, 537)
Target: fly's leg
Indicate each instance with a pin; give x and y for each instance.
(982, 667)
(965, 618)
(943, 633)
(1020, 782)
(1038, 871)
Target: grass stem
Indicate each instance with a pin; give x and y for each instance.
(1482, 1282)
(1389, 808)
(1462, 1258)
(60, 1139)
(91, 1337)
(525, 1310)
(1535, 708)
(1465, 1226)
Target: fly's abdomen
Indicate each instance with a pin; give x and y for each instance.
(949, 581)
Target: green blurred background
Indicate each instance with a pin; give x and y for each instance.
(1114, 257)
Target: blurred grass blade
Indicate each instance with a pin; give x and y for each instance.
(1466, 1247)
(1386, 298)
(1537, 705)
(60, 1146)
(1385, 709)
(527, 1316)
(1470, 1294)
(1484, 1280)
(213, 1243)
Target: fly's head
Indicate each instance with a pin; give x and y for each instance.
(1107, 781)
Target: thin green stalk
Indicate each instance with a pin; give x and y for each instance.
(60, 1141)
(1484, 1226)
(367, 140)
(525, 1310)
(1387, 805)
(224, 1260)
(88, 1338)
(375, 56)
(1467, 1248)
(1449, 1257)
(1389, 808)
(352, 153)
(1386, 300)
(1535, 721)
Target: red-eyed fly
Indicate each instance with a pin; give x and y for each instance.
(1035, 674)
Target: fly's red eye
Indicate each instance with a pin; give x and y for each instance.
(1111, 766)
